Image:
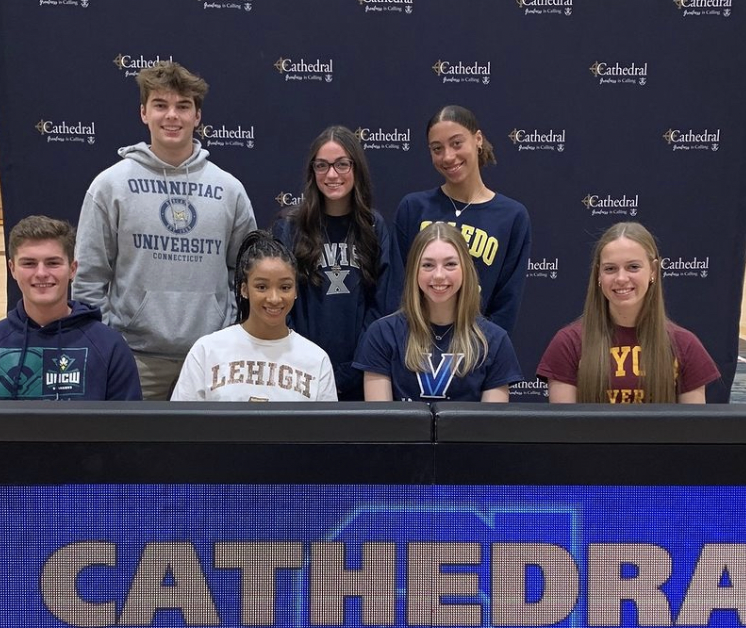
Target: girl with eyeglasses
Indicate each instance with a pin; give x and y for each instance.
(496, 228)
(343, 250)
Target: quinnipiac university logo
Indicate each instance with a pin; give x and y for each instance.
(699, 8)
(76, 132)
(477, 72)
(132, 64)
(692, 140)
(697, 267)
(178, 215)
(618, 74)
(217, 6)
(212, 135)
(303, 70)
(546, 7)
(608, 205)
(384, 139)
(403, 7)
(538, 140)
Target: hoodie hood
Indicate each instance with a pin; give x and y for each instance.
(19, 320)
(142, 154)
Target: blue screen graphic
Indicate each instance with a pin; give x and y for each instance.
(186, 555)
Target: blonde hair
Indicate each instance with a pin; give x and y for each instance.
(467, 339)
(657, 357)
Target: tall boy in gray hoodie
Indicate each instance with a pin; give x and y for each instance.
(159, 232)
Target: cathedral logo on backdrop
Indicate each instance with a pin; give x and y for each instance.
(530, 388)
(404, 7)
(77, 132)
(81, 4)
(699, 8)
(478, 72)
(534, 139)
(132, 64)
(690, 139)
(546, 7)
(236, 6)
(608, 205)
(620, 74)
(694, 266)
(288, 199)
(214, 135)
(543, 268)
(384, 139)
(321, 70)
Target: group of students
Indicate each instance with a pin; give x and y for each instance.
(329, 304)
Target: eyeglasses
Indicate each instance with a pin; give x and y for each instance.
(342, 166)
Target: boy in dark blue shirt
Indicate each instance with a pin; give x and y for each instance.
(50, 347)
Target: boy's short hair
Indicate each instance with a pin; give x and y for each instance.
(42, 228)
(174, 77)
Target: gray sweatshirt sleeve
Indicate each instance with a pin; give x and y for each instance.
(95, 250)
(244, 222)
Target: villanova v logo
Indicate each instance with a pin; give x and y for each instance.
(434, 383)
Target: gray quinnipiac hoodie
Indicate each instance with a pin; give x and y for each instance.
(157, 247)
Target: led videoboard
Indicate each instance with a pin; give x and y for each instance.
(371, 555)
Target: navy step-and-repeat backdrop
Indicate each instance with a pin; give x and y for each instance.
(599, 111)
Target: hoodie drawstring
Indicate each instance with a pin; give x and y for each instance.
(24, 350)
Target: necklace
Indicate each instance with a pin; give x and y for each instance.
(443, 335)
(456, 209)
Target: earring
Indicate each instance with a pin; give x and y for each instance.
(599, 283)
(479, 150)
(652, 280)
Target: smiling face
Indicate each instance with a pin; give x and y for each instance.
(625, 272)
(454, 152)
(43, 272)
(439, 276)
(171, 118)
(336, 188)
(270, 289)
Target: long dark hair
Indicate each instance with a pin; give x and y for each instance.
(256, 246)
(307, 218)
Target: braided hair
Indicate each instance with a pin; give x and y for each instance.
(256, 246)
